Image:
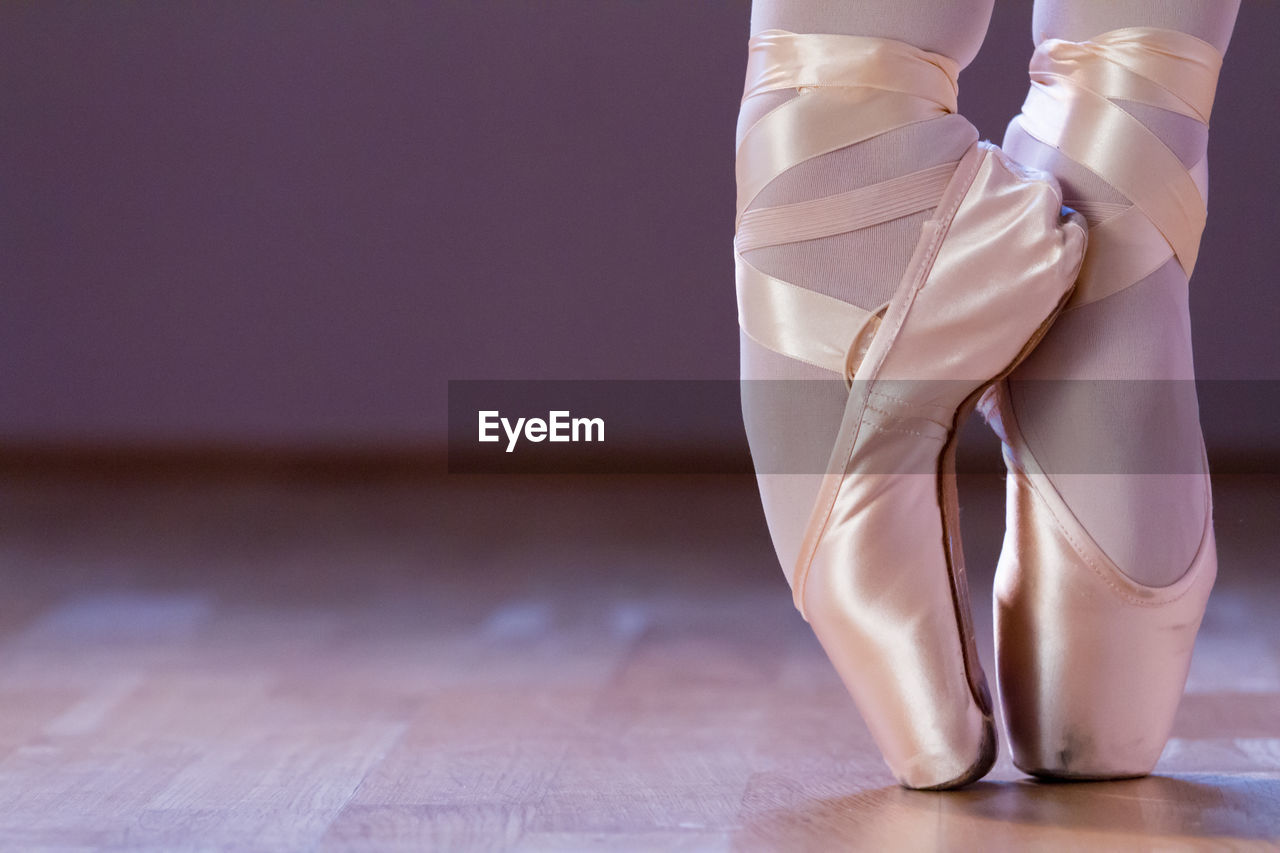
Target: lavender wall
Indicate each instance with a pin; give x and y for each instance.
(290, 224)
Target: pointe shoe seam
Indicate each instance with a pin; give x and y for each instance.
(899, 416)
(892, 399)
(904, 431)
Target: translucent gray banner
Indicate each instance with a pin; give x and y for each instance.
(1122, 427)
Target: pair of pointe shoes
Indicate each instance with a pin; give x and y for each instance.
(1091, 664)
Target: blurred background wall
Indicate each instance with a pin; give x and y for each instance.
(280, 225)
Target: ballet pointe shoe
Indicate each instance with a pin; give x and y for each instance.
(879, 572)
(1091, 664)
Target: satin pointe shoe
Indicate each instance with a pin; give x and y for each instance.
(1091, 664)
(878, 571)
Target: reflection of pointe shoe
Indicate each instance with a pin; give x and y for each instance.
(1092, 664)
(879, 572)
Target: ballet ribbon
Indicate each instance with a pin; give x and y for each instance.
(1071, 107)
(848, 89)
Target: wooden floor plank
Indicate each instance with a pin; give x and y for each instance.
(526, 664)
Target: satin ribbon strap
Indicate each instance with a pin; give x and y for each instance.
(1123, 250)
(850, 89)
(777, 59)
(1163, 68)
(798, 323)
(1069, 108)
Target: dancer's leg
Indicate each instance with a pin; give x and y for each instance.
(1149, 518)
(1104, 577)
(861, 267)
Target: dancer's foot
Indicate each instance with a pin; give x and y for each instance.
(1109, 552)
(872, 548)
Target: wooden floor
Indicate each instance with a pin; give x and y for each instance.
(224, 663)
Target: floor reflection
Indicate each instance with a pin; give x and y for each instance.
(1186, 811)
